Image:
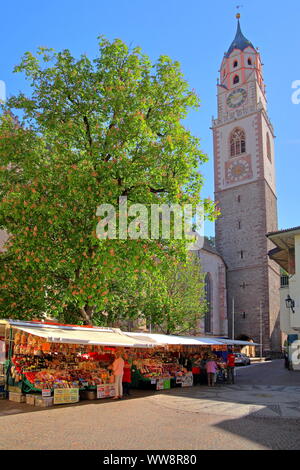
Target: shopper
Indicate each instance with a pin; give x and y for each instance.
(230, 367)
(118, 370)
(196, 369)
(211, 369)
(203, 373)
(126, 381)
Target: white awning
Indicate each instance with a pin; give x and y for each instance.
(81, 335)
(237, 342)
(161, 339)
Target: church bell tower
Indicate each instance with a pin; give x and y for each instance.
(245, 192)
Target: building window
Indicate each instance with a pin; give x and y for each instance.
(249, 61)
(239, 198)
(208, 296)
(235, 63)
(236, 79)
(242, 254)
(269, 152)
(237, 142)
(239, 225)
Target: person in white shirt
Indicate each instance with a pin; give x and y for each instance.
(118, 370)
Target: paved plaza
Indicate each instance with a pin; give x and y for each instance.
(251, 414)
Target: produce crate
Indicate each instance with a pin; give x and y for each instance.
(14, 389)
(17, 397)
(43, 402)
(30, 399)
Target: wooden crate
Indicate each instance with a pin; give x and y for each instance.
(30, 399)
(17, 397)
(43, 402)
(13, 389)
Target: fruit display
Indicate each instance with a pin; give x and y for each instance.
(159, 366)
(51, 365)
(43, 374)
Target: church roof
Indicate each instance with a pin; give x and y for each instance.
(208, 246)
(239, 42)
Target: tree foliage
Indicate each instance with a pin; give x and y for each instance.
(91, 132)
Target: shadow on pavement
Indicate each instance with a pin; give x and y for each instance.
(268, 433)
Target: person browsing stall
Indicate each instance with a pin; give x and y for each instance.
(230, 367)
(211, 369)
(126, 381)
(118, 370)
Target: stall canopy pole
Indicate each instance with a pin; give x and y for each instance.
(261, 329)
(10, 343)
(233, 312)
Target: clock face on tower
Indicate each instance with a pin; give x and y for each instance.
(238, 170)
(236, 98)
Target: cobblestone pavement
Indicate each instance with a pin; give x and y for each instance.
(265, 401)
(251, 414)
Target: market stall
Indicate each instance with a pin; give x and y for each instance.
(178, 362)
(50, 363)
(54, 364)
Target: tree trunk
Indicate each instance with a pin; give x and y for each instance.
(87, 314)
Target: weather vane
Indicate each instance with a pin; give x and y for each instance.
(238, 15)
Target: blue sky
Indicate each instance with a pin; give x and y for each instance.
(194, 32)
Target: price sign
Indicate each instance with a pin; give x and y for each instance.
(160, 384)
(46, 393)
(66, 395)
(106, 391)
(187, 381)
(153, 381)
(100, 391)
(85, 384)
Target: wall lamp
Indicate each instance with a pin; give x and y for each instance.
(290, 303)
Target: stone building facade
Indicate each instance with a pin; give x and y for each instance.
(215, 321)
(245, 192)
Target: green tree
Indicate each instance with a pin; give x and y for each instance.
(175, 301)
(91, 132)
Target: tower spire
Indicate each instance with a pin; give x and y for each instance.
(239, 42)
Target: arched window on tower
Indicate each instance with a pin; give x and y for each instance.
(249, 61)
(269, 151)
(237, 142)
(236, 79)
(209, 298)
(235, 63)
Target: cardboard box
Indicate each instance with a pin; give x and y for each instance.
(43, 402)
(30, 399)
(13, 389)
(17, 397)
